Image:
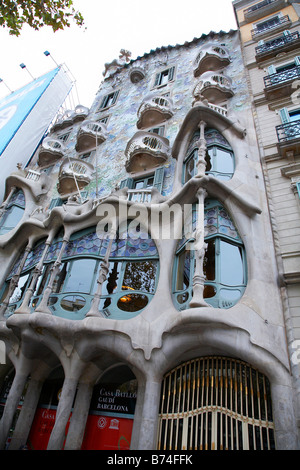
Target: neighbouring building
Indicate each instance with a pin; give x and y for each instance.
(270, 39)
(141, 305)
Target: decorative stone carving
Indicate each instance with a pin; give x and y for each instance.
(137, 74)
(112, 67)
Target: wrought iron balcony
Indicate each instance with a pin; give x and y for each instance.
(154, 110)
(282, 77)
(263, 8)
(214, 87)
(211, 57)
(90, 134)
(288, 131)
(146, 150)
(283, 43)
(288, 137)
(51, 151)
(279, 85)
(280, 22)
(74, 174)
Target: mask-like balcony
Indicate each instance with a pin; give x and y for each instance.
(211, 57)
(154, 110)
(280, 84)
(51, 151)
(90, 134)
(80, 113)
(74, 174)
(146, 150)
(214, 87)
(288, 138)
(69, 117)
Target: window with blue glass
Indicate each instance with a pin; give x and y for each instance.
(219, 156)
(13, 213)
(224, 262)
(129, 286)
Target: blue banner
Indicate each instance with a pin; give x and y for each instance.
(16, 107)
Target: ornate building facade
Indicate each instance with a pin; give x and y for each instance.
(140, 301)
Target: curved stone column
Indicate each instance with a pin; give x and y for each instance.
(79, 416)
(148, 419)
(63, 412)
(12, 403)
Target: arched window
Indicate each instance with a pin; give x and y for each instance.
(13, 212)
(219, 156)
(129, 286)
(215, 403)
(224, 262)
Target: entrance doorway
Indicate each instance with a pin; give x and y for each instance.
(215, 403)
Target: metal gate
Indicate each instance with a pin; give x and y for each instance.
(215, 403)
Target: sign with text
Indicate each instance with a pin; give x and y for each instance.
(109, 398)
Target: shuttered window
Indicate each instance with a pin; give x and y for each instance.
(164, 77)
(109, 100)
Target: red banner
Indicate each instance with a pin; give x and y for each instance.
(41, 429)
(101, 432)
(107, 433)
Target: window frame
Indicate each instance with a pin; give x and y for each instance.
(258, 24)
(106, 103)
(169, 72)
(13, 205)
(62, 288)
(193, 155)
(215, 301)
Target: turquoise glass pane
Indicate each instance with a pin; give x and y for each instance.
(80, 276)
(231, 264)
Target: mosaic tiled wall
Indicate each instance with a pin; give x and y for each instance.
(122, 121)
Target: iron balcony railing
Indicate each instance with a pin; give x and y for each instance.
(282, 77)
(274, 23)
(277, 42)
(288, 131)
(259, 5)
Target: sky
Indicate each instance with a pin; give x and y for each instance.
(110, 26)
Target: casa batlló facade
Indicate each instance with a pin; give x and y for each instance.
(140, 302)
